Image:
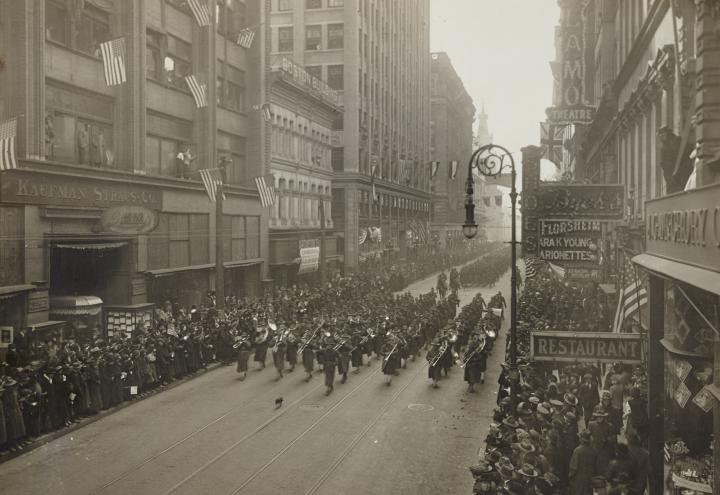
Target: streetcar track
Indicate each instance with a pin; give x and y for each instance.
(177, 443)
(324, 477)
(248, 436)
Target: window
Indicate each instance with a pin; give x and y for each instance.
(314, 70)
(90, 24)
(313, 4)
(161, 157)
(252, 234)
(335, 77)
(231, 88)
(230, 17)
(94, 29)
(177, 62)
(57, 22)
(313, 37)
(82, 141)
(335, 35)
(234, 237)
(336, 3)
(285, 4)
(179, 240)
(154, 65)
(285, 39)
(233, 148)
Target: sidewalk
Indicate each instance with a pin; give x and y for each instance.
(53, 435)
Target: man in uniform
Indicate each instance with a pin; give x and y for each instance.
(329, 361)
(475, 362)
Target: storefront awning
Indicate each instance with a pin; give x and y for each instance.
(170, 271)
(241, 263)
(701, 278)
(608, 289)
(96, 246)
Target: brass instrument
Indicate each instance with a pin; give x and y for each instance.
(239, 342)
(263, 335)
(338, 346)
(491, 333)
(271, 324)
(387, 358)
(468, 356)
(312, 336)
(440, 354)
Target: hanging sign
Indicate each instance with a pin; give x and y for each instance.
(586, 347)
(309, 259)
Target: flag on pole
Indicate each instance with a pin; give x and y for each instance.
(113, 57)
(551, 141)
(245, 37)
(558, 270)
(452, 170)
(200, 12)
(8, 131)
(434, 167)
(211, 180)
(199, 91)
(632, 297)
(267, 192)
(532, 266)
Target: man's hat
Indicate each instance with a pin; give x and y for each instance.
(542, 409)
(514, 487)
(570, 399)
(482, 467)
(510, 422)
(585, 436)
(526, 446)
(556, 403)
(493, 456)
(528, 471)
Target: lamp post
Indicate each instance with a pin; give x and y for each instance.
(490, 160)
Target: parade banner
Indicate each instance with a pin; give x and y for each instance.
(586, 347)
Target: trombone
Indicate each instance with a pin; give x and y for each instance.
(478, 348)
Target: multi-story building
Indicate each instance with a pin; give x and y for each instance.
(375, 53)
(451, 139)
(303, 111)
(106, 200)
(651, 70)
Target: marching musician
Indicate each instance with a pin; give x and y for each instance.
(390, 357)
(243, 347)
(475, 361)
(308, 355)
(329, 361)
(343, 349)
(261, 345)
(359, 342)
(291, 349)
(278, 350)
(433, 358)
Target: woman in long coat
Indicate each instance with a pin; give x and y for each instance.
(391, 359)
(244, 348)
(14, 423)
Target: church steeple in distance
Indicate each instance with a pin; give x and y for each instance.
(482, 134)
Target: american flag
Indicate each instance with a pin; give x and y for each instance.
(8, 131)
(199, 91)
(211, 180)
(452, 170)
(632, 297)
(245, 37)
(434, 167)
(551, 140)
(420, 230)
(113, 56)
(267, 192)
(558, 270)
(532, 265)
(200, 12)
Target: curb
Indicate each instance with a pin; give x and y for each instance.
(54, 435)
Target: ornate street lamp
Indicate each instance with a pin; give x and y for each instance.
(491, 160)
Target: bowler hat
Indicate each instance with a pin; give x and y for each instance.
(481, 468)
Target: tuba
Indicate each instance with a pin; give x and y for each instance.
(478, 348)
(262, 335)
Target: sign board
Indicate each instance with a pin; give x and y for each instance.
(685, 227)
(309, 259)
(128, 220)
(570, 240)
(572, 273)
(581, 201)
(19, 186)
(565, 115)
(38, 302)
(586, 347)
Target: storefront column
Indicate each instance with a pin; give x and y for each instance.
(656, 383)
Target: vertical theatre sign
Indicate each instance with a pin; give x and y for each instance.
(573, 107)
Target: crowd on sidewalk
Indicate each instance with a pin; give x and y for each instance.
(56, 383)
(576, 429)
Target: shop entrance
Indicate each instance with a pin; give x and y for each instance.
(97, 269)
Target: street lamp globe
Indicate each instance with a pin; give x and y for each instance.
(470, 229)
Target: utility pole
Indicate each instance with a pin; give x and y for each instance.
(219, 244)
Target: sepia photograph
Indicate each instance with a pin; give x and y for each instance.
(360, 247)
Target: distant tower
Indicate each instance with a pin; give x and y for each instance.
(482, 135)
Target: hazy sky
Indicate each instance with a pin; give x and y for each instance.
(501, 49)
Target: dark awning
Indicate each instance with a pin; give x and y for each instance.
(96, 246)
(14, 290)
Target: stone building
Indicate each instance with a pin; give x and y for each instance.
(451, 139)
(107, 203)
(376, 54)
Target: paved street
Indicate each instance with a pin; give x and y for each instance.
(216, 434)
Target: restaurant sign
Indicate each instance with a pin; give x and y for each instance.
(578, 201)
(586, 347)
(26, 187)
(685, 227)
(128, 220)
